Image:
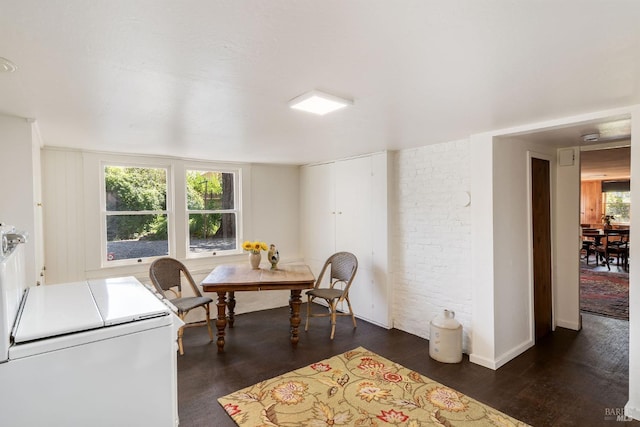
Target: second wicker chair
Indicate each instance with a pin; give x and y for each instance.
(166, 274)
(342, 268)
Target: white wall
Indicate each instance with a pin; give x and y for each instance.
(513, 286)
(567, 235)
(19, 203)
(64, 220)
(501, 262)
(633, 406)
(481, 162)
(431, 230)
(273, 191)
(71, 189)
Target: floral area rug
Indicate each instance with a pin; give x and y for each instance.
(357, 388)
(604, 293)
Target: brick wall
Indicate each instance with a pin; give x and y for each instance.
(431, 229)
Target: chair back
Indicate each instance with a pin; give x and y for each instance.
(342, 268)
(166, 273)
(618, 238)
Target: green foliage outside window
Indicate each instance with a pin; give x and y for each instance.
(618, 204)
(209, 191)
(131, 189)
(136, 205)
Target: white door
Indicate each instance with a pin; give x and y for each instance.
(354, 226)
(317, 209)
(344, 208)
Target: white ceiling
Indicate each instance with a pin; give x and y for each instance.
(211, 79)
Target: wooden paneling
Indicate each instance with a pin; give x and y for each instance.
(590, 202)
(62, 190)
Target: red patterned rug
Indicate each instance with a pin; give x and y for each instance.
(604, 293)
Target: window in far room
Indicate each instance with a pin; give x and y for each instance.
(618, 205)
(212, 211)
(616, 201)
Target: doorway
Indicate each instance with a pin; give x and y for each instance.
(605, 224)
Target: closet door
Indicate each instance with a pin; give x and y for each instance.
(317, 212)
(354, 227)
(344, 208)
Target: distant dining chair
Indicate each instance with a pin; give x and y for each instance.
(616, 243)
(588, 243)
(341, 268)
(167, 274)
(619, 247)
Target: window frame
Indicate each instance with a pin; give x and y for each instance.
(104, 214)
(95, 236)
(605, 205)
(237, 210)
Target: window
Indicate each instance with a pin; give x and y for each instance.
(212, 212)
(618, 204)
(135, 213)
(152, 207)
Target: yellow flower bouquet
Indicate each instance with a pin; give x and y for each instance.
(254, 247)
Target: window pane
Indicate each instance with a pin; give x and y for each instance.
(135, 189)
(212, 232)
(136, 236)
(208, 190)
(618, 204)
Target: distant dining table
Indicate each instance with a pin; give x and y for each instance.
(606, 234)
(595, 235)
(226, 279)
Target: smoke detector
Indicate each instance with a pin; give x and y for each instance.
(591, 137)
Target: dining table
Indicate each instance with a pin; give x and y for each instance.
(598, 235)
(595, 235)
(227, 279)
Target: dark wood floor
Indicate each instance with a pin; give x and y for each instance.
(568, 379)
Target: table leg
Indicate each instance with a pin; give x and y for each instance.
(221, 321)
(231, 305)
(294, 305)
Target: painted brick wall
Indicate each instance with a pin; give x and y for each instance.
(431, 231)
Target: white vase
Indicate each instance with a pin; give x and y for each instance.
(254, 260)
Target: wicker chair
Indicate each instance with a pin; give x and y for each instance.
(342, 267)
(166, 275)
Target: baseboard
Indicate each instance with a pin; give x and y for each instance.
(382, 325)
(632, 412)
(514, 352)
(502, 360)
(574, 326)
(482, 361)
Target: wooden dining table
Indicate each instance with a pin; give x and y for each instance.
(597, 236)
(226, 279)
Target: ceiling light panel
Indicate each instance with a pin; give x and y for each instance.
(317, 102)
